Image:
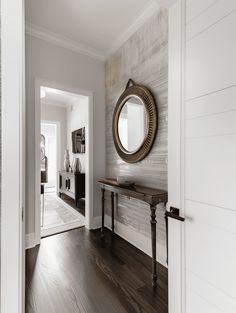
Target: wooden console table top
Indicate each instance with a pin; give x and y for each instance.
(151, 196)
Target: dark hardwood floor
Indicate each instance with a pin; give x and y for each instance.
(77, 272)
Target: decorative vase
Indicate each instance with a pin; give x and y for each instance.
(67, 161)
(76, 165)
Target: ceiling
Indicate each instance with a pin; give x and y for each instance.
(93, 26)
(59, 98)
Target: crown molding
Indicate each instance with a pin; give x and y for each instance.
(54, 38)
(63, 42)
(149, 11)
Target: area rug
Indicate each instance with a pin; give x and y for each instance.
(58, 216)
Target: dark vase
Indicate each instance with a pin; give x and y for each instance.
(76, 166)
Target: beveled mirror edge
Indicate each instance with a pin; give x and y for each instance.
(152, 115)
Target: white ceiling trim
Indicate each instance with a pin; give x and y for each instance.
(74, 46)
(64, 42)
(151, 8)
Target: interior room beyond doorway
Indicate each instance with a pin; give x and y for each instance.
(64, 121)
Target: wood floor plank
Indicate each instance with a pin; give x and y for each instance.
(77, 272)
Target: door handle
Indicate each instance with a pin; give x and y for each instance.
(174, 213)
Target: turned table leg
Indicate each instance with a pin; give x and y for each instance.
(103, 211)
(153, 231)
(112, 212)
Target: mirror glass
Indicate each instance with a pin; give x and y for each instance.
(132, 124)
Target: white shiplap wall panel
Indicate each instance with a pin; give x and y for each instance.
(214, 243)
(212, 125)
(195, 8)
(211, 170)
(198, 304)
(218, 102)
(211, 254)
(210, 157)
(211, 215)
(210, 59)
(208, 298)
(209, 16)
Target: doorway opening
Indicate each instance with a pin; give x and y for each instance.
(49, 134)
(63, 163)
(56, 214)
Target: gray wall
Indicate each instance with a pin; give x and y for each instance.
(55, 64)
(144, 58)
(77, 117)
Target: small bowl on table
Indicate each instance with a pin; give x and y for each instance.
(124, 181)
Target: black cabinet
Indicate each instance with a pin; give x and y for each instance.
(72, 184)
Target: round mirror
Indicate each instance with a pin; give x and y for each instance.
(132, 124)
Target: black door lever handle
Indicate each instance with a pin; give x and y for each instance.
(174, 213)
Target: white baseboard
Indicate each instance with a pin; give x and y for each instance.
(131, 235)
(61, 228)
(97, 222)
(30, 241)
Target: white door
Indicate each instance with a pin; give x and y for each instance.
(202, 250)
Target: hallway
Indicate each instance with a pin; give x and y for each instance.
(75, 272)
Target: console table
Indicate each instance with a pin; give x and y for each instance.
(148, 195)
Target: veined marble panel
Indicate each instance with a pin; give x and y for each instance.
(144, 58)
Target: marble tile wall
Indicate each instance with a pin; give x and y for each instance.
(144, 58)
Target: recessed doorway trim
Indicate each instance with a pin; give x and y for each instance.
(12, 156)
(176, 173)
(89, 155)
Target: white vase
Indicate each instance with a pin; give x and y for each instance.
(66, 161)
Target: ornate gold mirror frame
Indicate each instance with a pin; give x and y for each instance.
(145, 96)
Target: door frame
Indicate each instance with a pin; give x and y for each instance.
(13, 156)
(89, 155)
(12, 228)
(176, 148)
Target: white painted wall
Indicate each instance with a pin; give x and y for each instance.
(53, 113)
(59, 65)
(77, 117)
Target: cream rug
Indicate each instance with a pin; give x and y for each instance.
(59, 216)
